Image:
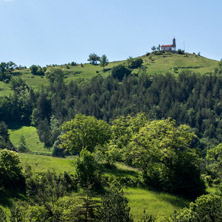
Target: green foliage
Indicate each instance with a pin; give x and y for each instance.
(6, 70)
(4, 137)
(214, 158)
(147, 218)
(118, 72)
(110, 153)
(18, 85)
(207, 208)
(37, 70)
(46, 188)
(93, 59)
(87, 170)
(134, 63)
(161, 150)
(10, 169)
(181, 52)
(2, 215)
(55, 76)
(84, 132)
(65, 209)
(104, 61)
(124, 127)
(114, 206)
(23, 212)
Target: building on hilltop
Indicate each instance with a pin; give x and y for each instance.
(169, 47)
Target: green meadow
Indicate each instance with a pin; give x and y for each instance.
(31, 139)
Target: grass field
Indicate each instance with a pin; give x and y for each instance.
(31, 138)
(40, 163)
(157, 204)
(170, 62)
(152, 64)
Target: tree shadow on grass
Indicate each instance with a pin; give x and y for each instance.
(173, 199)
(118, 172)
(106, 70)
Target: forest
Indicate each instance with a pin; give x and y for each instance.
(166, 128)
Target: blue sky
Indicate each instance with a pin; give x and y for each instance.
(60, 31)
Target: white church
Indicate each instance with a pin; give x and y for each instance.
(169, 47)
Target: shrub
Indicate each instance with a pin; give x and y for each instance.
(181, 52)
(87, 170)
(120, 71)
(114, 206)
(134, 63)
(10, 169)
(206, 208)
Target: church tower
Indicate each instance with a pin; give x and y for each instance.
(174, 42)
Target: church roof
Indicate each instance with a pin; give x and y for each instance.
(164, 46)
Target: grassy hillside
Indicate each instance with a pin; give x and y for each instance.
(40, 163)
(174, 63)
(158, 204)
(152, 63)
(31, 139)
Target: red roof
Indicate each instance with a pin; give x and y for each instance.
(164, 46)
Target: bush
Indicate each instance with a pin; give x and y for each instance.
(206, 208)
(120, 71)
(134, 63)
(181, 52)
(114, 206)
(37, 70)
(88, 171)
(10, 169)
(73, 64)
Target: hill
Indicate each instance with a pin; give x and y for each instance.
(153, 63)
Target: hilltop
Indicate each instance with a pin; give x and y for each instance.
(153, 63)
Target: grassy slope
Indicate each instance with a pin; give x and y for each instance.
(166, 63)
(31, 138)
(158, 204)
(40, 163)
(152, 63)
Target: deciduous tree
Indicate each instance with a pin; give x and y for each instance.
(84, 132)
(104, 61)
(93, 58)
(162, 150)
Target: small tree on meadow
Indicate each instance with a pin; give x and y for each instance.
(93, 58)
(104, 61)
(114, 206)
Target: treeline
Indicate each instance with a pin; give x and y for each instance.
(189, 98)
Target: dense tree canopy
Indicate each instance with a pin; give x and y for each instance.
(162, 150)
(84, 132)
